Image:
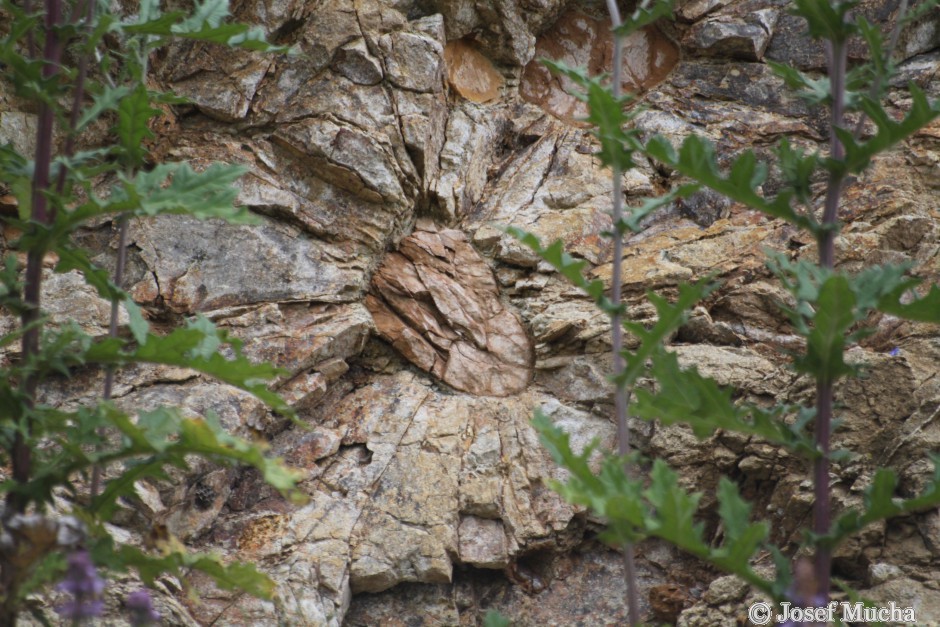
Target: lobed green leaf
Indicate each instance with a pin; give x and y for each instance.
(696, 159)
(683, 396)
(134, 113)
(825, 344)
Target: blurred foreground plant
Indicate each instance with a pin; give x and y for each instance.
(79, 64)
(831, 310)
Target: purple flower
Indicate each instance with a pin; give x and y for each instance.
(894, 352)
(139, 605)
(82, 582)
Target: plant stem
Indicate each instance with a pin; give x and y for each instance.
(616, 322)
(822, 515)
(21, 452)
(30, 38)
(84, 10)
(112, 332)
(21, 455)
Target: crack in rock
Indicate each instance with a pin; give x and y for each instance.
(437, 302)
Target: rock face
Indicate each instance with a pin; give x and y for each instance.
(470, 73)
(417, 337)
(437, 302)
(580, 40)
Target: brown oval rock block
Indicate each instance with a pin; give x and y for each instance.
(470, 73)
(436, 301)
(581, 41)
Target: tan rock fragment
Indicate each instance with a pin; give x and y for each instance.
(483, 543)
(436, 301)
(470, 73)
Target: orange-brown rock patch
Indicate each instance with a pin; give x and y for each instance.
(437, 302)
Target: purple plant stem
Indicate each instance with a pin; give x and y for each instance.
(112, 332)
(616, 323)
(52, 55)
(84, 10)
(30, 39)
(822, 515)
(20, 453)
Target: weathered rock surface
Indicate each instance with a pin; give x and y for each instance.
(580, 40)
(470, 73)
(742, 30)
(437, 302)
(371, 522)
(383, 176)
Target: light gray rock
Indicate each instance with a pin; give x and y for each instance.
(210, 268)
(743, 37)
(221, 86)
(413, 61)
(354, 62)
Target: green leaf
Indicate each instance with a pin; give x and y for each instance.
(825, 346)
(735, 512)
(636, 215)
(160, 427)
(163, 437)
(236, 576)
(22, 188)
(696, 159)
(889, 132)
(569, 267)
(673, 515)
(879, 497)
(185, 348)
(813, 91)
(645, 14)
(797, 170)
(134, 113)
(881, 504)
(139, 327)
(880, 283)
(209, 13)
(210, 342)
(735, 554)
(826, 20)
(206, 23)
(74, 258)
(915, 13)
(669, 317)
(880, 63)
(175, 188)
(683, 396)
(606, 114)
(495, 619)
(207, 437)
(107, 99)
(924, 309)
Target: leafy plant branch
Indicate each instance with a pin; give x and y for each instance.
(48, 449)
(830, 312)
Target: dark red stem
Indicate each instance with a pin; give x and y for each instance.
(30, 39)
(616, 323)
(84, 10)
(41, 217)
(822, 514)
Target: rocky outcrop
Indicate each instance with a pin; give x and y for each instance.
(437, 302)
(417, 337)
(580, 40)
